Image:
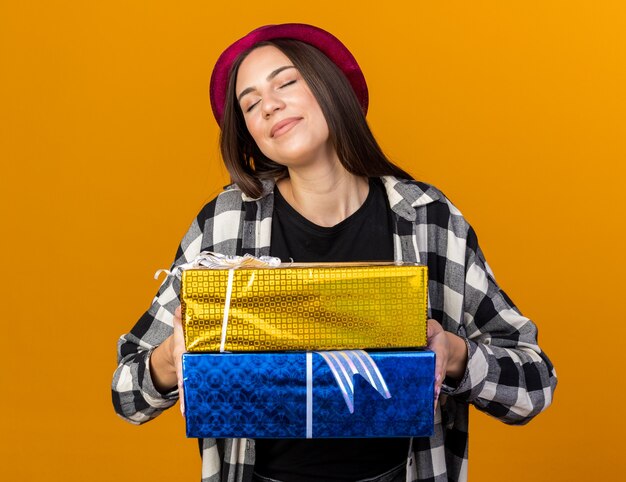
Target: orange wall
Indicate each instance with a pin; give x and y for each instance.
(516, 110)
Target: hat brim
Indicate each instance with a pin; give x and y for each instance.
(324, 41)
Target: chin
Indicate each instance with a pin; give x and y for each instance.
(298, 153)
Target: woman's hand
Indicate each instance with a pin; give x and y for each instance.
(451, 354)
(166, 364)
(178, 348)
(438, 342)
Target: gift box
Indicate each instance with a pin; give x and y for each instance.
(305, 307)
(309, 394)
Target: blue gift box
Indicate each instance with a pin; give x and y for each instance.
(309, 394)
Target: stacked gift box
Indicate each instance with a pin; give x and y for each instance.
(279, 352)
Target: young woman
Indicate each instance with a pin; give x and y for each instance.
(310, 183)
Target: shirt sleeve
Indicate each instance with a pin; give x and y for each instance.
(135, 397)
(508, 375)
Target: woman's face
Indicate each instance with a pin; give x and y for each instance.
(282, 115)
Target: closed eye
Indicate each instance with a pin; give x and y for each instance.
(286, 84)
(252, 106)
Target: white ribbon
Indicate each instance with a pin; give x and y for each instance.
(229, 294)
(309, 395)
(344, 365)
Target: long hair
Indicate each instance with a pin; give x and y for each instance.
(349, 133)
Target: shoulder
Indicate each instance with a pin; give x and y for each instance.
(220, 224)
(223, 210)
(225, 206)
(229, 199)
(232, 201)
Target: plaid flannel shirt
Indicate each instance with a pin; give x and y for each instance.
(507, 376)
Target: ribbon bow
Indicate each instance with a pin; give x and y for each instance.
(344, 365)
(209, 259)
(212, 260)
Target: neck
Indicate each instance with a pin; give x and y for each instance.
(324, 196)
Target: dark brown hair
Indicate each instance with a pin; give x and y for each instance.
(358, 151)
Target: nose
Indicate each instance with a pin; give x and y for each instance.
(271, 104)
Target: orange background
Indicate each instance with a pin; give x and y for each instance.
(516, 110)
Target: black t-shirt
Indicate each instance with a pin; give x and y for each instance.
(364, 236)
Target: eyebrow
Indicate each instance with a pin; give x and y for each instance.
(273, 74)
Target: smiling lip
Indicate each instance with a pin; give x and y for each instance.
(283, 126)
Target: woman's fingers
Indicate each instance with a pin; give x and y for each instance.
(438, 342)
(178, 348)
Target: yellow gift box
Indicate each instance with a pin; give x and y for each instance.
(325, 306)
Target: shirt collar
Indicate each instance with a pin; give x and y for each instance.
(407, 195)
(268, 188)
